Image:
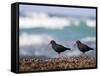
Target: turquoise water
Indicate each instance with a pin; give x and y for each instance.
(38, 25)
(66, 36)
(67, 33)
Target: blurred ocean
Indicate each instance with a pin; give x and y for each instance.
(34, 41)
(38, 29)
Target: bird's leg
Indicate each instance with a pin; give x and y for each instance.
(75, 45)
(58, 55)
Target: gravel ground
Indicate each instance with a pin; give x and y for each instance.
(56, 63)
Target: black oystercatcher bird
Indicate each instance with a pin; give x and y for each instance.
(83, 47)
(58, 48)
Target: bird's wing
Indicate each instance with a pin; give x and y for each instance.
(61, 47)
(84, 45)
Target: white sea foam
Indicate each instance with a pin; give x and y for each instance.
(36, 45)
(91, 23)
(34, 39)
(88, 39)
(44, 20)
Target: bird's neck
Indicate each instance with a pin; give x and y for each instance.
(53, 44)
(78, 43)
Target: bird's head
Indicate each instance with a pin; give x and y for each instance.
(52, 42)
(78, 42)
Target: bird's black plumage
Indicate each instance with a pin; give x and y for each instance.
(83, 47)
(57, 47)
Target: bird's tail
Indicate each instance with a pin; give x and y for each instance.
(68, 48)
(91, 49)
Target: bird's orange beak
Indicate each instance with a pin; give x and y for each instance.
(49, 44)
(75, 45)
